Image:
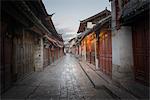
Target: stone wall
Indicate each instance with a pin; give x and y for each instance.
(38, 55)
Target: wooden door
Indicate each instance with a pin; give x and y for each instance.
(101, 53)
(88, 51)
(105, 53)
(6, 64)
(93, 52)
(46, 57)
(108, 53)
(141, 51)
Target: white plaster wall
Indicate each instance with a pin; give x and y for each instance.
(39, 56)
(122, 54)
(96, 59)
(84, 52)
(122, 46)
(126, 50)
(115, 48)
(80, 50)
(122, 51)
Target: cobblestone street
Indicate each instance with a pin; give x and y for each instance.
(63, 80)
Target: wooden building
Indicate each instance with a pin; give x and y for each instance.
(132, 28)
(104, 45)
(130, 45)
(138, 18)
(26, 40)
(99, 45)
(89, 37)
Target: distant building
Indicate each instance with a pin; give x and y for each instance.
(72, 48)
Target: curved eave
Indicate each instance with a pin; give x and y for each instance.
(23, 7)
(131, 11)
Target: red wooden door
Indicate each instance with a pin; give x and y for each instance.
(100, 53)
(105, 53)
(93, 52)
(109, 54)
(88, 50)
(141, 51)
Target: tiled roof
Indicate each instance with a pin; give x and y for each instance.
(81, 27)
(95, 16)
(98, 16)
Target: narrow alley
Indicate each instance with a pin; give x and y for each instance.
(63, 80)
(74, 49)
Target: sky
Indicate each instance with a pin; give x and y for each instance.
(69, 13)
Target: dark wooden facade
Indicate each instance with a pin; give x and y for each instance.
(6, 61)
(46, 57)
(138, 19)
(17, 54)
(51, 55)
(22, 49)
(141, 50)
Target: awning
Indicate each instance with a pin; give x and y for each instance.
(50, 39)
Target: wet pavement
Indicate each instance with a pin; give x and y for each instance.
(62, 80)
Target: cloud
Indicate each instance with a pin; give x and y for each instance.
(56, 24)
(68, 36)
(65, 26)
(65, 30)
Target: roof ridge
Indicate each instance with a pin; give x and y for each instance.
(85, 20)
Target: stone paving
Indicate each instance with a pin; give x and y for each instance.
(63, 80)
